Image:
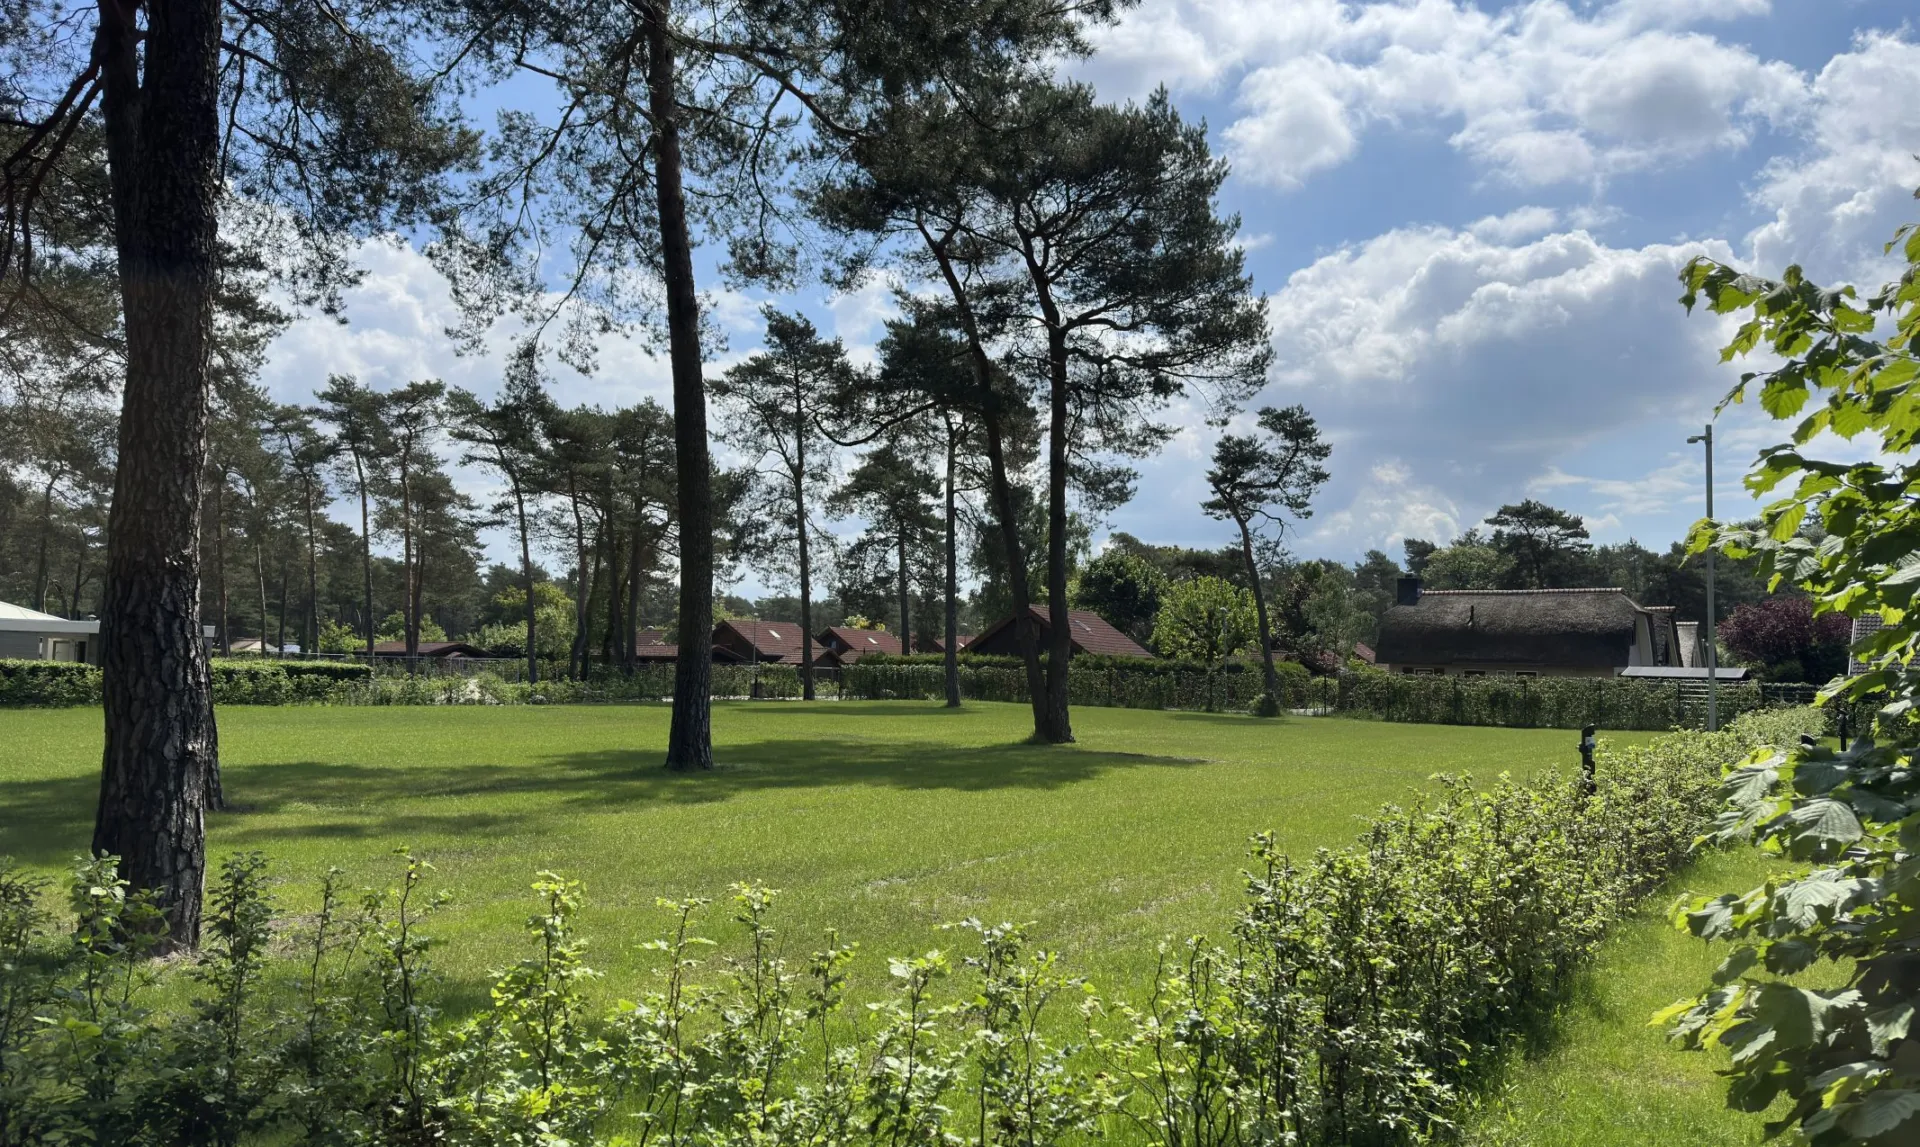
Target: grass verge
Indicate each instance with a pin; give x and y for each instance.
(1606, 1078)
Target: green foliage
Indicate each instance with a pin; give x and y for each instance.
(394, 628)
(1466, 565)
(1539, 542)
(338, 637)
(1363, 992)
(48, 683)
(1845, 1062)
(1123, 588)
(1205, 619)
(1844, 1058)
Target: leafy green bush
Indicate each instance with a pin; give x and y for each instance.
(1845, 1063)
(237, 682)
(48, 683)
(1362, 992)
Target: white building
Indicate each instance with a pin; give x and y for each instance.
(30, 635)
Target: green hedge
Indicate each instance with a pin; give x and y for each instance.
(41, 684)
(236, 681)
(1361, 996)
(1538, 702)
(1114, 682)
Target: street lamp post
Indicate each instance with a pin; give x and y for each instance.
(1713, 641)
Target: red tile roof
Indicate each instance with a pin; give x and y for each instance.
(1091, 634)
(850, 644)
(762, 640)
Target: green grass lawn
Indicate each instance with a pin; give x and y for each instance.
(883, 819)
(1609, 1079)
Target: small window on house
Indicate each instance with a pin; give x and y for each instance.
(1474, 673)
(1526, 673)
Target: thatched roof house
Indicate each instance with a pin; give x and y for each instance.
(1547, 632)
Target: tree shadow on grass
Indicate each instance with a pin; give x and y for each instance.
(1243, 720)
(47, 821)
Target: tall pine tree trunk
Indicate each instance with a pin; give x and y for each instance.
(951, 633)
(1272, 676)
(40, 576)
(409, 591)
(1000, 485)
(161, 753)
(311, 637)
(800, 532)
(260, 583)
(690, 738)
(1058, 728)
(526, 576)
(366, 553)
(906, 600)
(634, 573)
(577, 652)
(220, 562)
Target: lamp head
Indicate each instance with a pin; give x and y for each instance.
(1696, 438)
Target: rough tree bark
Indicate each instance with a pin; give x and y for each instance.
(690, 737)
(161, 746)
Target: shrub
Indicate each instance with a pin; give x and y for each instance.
(1296, 680)
(237, 682)
(48, 683)
(1361, 993)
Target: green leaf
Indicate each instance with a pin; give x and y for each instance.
(1881, 1112)
(1736, 964)
(1785, 957)
(1822, 825)
(1805, 903)
(1889, 1024)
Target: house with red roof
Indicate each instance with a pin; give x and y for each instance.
(775, 642)
(1091, 633)
(847, 645)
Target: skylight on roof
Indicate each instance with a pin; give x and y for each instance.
(776, 635)
(873, 641)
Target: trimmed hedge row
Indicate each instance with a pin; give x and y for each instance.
(1510, 702)
(1363, 994)
(1539, 702)
(236, 681)
(48, 684)
(1513, 702)
(1112, 682)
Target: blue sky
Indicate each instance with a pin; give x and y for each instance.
(1468, 219)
